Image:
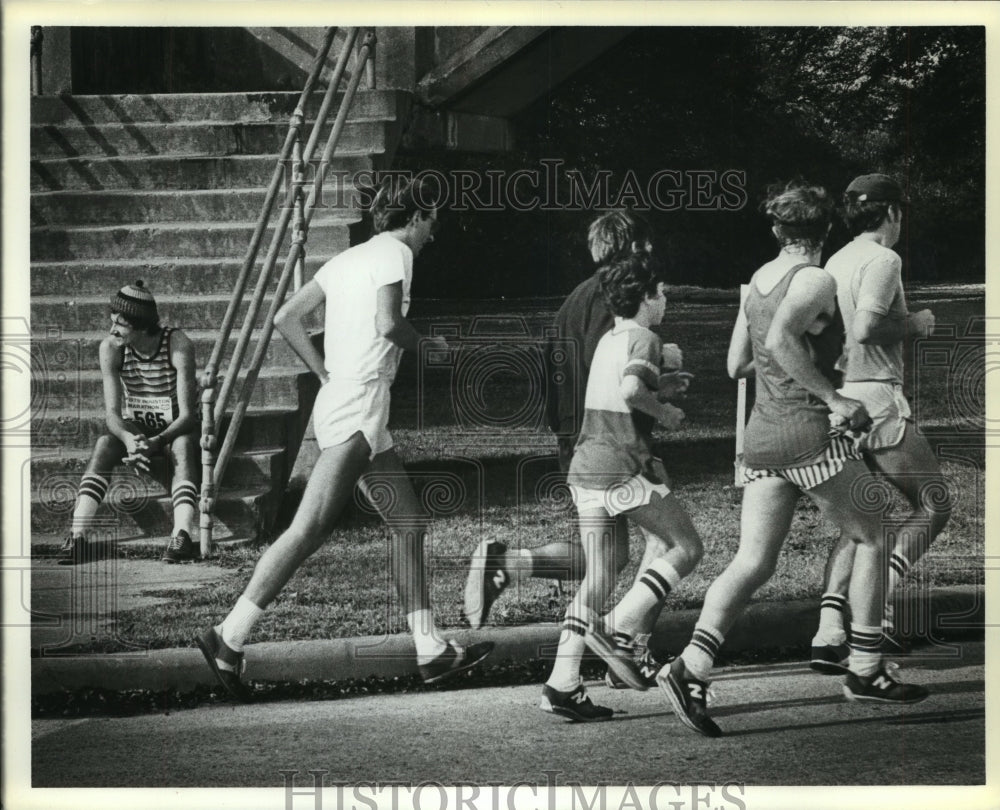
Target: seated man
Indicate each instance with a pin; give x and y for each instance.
(150, 396)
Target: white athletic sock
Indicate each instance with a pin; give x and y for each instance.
(866, 650)
(831, 621)
(565, 676)
(652, 588)
(185, 499)
(699, 655)
(425, 636)
(91, 492)
(236, 627)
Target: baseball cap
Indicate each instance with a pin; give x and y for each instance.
(876, 188)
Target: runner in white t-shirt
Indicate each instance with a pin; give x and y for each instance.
(366, 290)
(878, 327)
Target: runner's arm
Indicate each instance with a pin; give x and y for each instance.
(739, 360)
(390, 323)
(872, 322)
(811, 293)
(640, 398)
(182, 359)
(111, 369)
(290, 322)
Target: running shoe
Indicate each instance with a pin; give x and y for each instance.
(882, 687)
(215, 649)
(73, 551)
(648, 665)
(620, 661)
(687, 695)
(830, 659)
(576, 705)
(487, 580)
(453, 660)
(179, 549)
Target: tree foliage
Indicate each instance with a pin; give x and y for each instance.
(772, 103)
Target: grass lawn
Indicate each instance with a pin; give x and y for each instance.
(498, 465)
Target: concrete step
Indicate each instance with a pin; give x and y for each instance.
(207, 205)
(159, 172)
(188, 138)
(83, 390)
(80, 429)
(143, 507)
(328, 236)
(54, 475)
(164, 276)
(84, 345)
(90, 313)
(168, 107)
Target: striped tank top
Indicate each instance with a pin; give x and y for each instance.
(150, 385)
(788, 427)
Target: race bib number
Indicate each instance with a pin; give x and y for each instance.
(154, 412)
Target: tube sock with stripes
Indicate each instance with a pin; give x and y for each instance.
(866, 650)
(652, 588)
(185, 498)
(831, 620)
(699, 655)
(565, 676)
(91, 492)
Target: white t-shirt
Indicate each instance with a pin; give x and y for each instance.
(869, 279)
(354, 350)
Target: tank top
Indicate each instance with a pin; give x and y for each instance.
(788, 426)
(150, 385)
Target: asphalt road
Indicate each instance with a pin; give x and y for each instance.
(784, 725)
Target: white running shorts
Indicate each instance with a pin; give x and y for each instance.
(343, 407)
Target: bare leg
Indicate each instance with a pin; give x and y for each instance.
(185, 457)
(390, 490)
(913, 469)
(765, 518)
(108, 453)
(330, 486)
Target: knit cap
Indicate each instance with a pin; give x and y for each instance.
(135, 301)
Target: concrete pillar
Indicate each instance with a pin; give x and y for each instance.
(396, 58)
(57, 63)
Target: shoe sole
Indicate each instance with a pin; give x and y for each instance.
(856, 698)
(456, 670)
(476, 609)
(676, 697)
(828, 667)
(623, 668)
(570, 715)
(243, 697)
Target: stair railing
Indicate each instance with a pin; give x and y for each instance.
(214, 403)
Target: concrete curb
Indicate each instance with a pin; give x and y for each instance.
(945, 614)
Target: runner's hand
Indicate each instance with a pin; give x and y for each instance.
(671, 357)
(848, 414)
(674, 384)
(134, 443)
(137, 461)
(670, 416)
(921, 323)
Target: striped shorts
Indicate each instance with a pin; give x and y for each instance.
(841, 449)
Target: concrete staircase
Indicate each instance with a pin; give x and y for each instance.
(167, 188)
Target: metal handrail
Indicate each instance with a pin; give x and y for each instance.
(213, 407)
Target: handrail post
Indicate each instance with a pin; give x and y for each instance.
(370, 62)
(37, 38)
(209, 441)
(298, 225)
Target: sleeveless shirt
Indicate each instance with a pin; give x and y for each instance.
(150, 385)
(788, 426)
